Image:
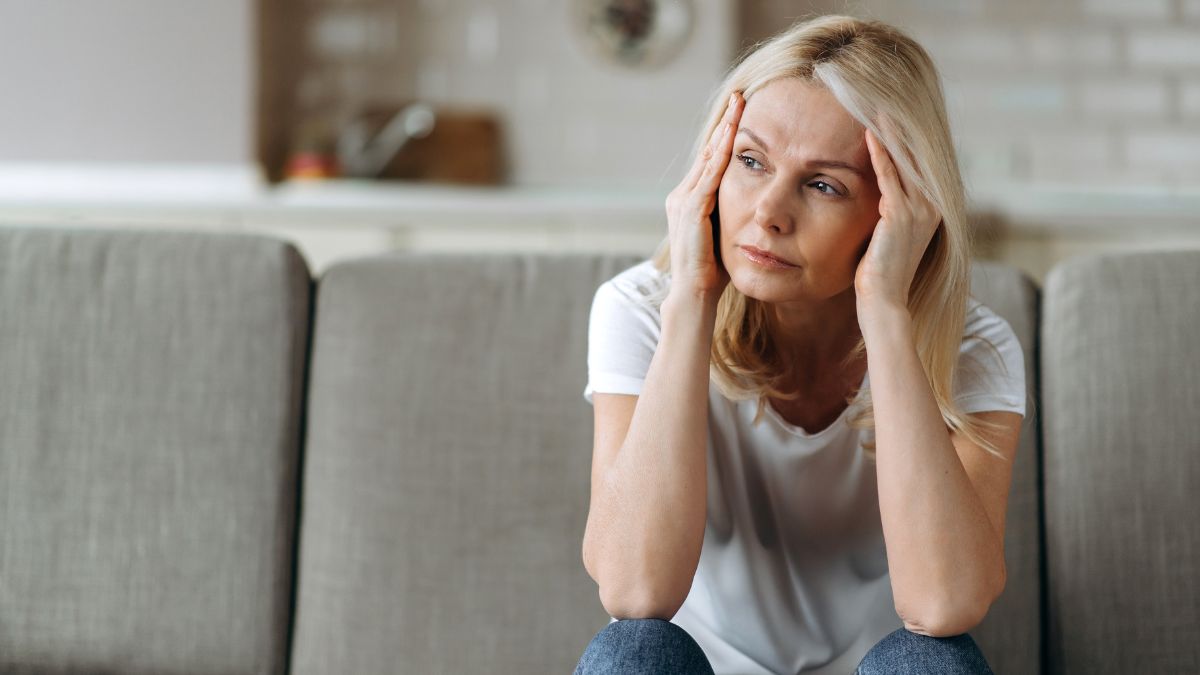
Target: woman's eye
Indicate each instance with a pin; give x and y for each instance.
(831, 191)
(821, 186)
(744, 159)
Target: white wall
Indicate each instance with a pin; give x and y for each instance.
(570, 118)
(1103, 94)
(116, 81)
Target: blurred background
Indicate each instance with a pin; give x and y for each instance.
(357, 126)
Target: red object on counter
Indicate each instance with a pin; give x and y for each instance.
(311, 165)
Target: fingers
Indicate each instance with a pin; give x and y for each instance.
(898, 191)
(714, 169)
(885, 170)
(905, 180)
(718, 142)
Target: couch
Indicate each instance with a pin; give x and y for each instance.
(214, 463)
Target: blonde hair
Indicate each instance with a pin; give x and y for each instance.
(874, 71)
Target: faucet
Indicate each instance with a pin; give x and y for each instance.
(366, 157)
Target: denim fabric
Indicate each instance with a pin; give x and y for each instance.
(903, 652)
(658, 647)
(643, 647)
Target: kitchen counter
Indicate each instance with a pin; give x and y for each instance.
(336, 218)
(87, 191)
(239, 194)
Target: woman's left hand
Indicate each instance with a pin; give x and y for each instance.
(905, 228)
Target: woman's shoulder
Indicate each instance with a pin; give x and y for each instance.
(643, 284)
(983, 321)
(991, 364)
(642, 277)
(989, 340)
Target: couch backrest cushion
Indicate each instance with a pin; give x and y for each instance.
(447, 462)
(150, 403)
(1121, 388)
(447, 466)
(1011, 635)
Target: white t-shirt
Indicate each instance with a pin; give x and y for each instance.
(793, 574)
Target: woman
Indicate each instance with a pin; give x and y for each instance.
(817, 245)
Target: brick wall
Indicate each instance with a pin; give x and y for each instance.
(570, 117)
(1049, 92)
(1075, 93)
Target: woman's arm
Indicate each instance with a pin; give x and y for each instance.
(645, 526)
(942, 525)
(646, 523)
(941, 497)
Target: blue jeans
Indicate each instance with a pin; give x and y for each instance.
(655, 646)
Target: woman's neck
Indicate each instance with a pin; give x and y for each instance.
(815, 338)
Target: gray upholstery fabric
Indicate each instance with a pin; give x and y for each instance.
(1011, 635)
(150, 401)
(151, 390)
(1121, 386)
(447, 466)
(447, 463)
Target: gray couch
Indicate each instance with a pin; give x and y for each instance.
(213, 463)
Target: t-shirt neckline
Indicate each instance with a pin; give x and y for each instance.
(800, 431)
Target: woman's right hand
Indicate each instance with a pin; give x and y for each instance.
(695, 271)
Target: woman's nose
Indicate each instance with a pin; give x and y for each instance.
(773, 210)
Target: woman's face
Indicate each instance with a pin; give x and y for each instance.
(800, 186)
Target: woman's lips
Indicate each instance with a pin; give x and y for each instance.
(765, 260)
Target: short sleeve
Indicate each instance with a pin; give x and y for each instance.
(623, 332)
(991, 365)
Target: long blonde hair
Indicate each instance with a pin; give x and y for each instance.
(874, 70)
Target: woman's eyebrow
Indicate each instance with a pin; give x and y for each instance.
(831, 163)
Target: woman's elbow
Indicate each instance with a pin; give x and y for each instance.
(640, 604)
(949, 618)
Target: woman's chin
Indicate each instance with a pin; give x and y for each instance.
(768, 288)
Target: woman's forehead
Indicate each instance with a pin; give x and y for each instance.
(794, 116)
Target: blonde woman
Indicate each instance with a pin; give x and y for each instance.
(835, 501)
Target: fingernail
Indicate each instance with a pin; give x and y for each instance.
(733, 98)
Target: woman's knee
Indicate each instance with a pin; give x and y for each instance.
(903, 652)
(643, 646)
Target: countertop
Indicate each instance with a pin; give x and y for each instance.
(237, 196)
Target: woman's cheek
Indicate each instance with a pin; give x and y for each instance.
(734, 193)
(728, 185)
(730, 196)
(862, 248)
